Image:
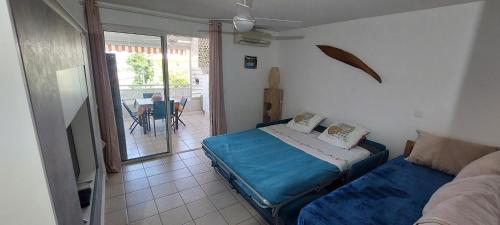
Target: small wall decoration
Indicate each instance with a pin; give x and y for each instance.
(350, 59)
(250, 62)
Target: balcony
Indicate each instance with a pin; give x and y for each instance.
(186, 138)
(196, 94)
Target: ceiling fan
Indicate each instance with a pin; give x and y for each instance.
(245, 22)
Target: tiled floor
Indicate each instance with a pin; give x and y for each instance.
(182, 189)
(186, 138)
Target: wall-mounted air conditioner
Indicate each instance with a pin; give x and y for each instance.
(253, 38)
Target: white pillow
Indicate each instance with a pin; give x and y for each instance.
(343, 135)
(305, 122)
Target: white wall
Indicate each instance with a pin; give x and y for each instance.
(25, 196)
(439, 62)
(477, 112)
(422, 57)
(243, 88)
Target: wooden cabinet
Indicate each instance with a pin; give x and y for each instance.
(273, 99)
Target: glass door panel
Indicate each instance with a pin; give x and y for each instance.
(188, 66)
(141, 79)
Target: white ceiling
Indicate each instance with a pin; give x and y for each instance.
(313, 12)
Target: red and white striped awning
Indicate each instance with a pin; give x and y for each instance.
(141, 49)
(132, 49)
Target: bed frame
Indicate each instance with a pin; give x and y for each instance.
(408, 147)
(272, 213)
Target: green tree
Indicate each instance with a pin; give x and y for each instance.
(177, 80)
(142, 67)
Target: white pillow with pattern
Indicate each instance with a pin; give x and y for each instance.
(343, 135)
(305, 122)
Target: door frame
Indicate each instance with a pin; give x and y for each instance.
(166, 89)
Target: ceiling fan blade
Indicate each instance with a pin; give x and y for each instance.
(223, 19)
(245, 3)
(278, 38)
(279, 20)
(286, 38)
(222, 32)
(242, 5)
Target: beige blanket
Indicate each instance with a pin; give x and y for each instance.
(472, 200)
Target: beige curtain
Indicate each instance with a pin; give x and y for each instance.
(217, 113)
(107, 123)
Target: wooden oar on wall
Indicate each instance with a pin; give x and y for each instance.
(350, 59)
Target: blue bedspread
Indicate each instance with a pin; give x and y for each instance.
(394, 193)
(276, 170)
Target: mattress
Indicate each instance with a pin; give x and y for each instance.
(310, 144)
(394, 193)
(276, 170)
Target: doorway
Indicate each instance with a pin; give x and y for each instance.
(140, 81)
(188, 67)
(141, 100)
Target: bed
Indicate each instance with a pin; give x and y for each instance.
(394, 193)
(262, 164)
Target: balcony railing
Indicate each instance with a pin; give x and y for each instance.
(131, 92)
(196, 94)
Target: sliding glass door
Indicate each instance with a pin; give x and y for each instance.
(138, 81)
(188, 65)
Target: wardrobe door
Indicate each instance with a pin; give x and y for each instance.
(49, 44)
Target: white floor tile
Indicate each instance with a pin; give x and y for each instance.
(115, 203)
(141, 211)
(153, 162)
(193, 194)
(193, 161)
(174, 165)
(250, 221)
(200, 208)
(136, 185)
(180, 173)
(197, 169)
(116, 218)
(213, 218)
(214, 187)
(249, 208)
(114, 190)
(185, 183)
(235, 214)
(133, 175)
(154, 220)
(177, 216)
(131, 167)
(154, 170)
(140, 196)
(237, 195)
(164, 189)
(223, 199)
(187, 155)
(169, 202)
(160, 179)
(171, 158)
(206, 177)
